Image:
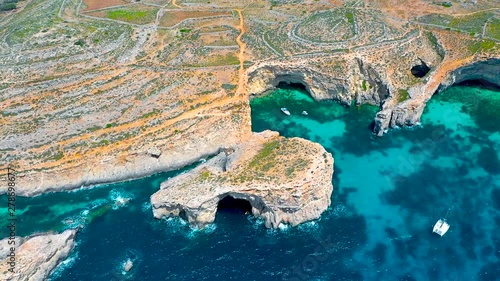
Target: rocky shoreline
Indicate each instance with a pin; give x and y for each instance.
(285, 180)
(36, 256)
(377, 88)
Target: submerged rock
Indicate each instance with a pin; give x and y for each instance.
(284, 180)
(35, 256)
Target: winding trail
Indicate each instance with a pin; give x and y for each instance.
(241, 54)
(174, 3)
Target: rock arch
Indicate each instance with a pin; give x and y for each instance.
(408, 113)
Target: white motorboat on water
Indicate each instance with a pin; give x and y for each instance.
(285, 110)
(441, 227)
(305, 113)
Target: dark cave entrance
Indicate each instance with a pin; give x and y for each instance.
(292, 86)
(233, 205)
(420, 70)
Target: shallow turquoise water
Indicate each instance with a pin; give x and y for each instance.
(388, 193)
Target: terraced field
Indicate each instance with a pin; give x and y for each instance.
(88, 87)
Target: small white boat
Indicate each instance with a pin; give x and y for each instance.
(441, 227)
(305, 113)
(285, 110)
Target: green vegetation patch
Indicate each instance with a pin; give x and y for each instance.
(471, 23)
(131, 15)
(58, 156)
(151, 113)
(205, 175)
(229, 86)
(218, 60)
(7, 5)
(493, 28)
(262, 158)
(403, 95)
(483, 45)
(435, 43)
(350, 17)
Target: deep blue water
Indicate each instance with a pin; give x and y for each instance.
(388, 193)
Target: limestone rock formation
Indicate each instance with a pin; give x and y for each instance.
(36, 256)
(286, 180)
(321, 85)
(408, 113)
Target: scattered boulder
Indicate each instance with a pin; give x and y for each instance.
(154, 152)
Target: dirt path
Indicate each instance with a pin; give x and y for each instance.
(447, 67)
(174, 3)
(241, 54)
(213, 108)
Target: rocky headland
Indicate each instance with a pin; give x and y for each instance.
(35, 256)
(285, 180)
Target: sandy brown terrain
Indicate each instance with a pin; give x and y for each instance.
(92, 96)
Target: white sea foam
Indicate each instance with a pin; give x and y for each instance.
(173, 225)
(120, 198)
(283, 227)
(97, 203)
(195, 231)
(256, 222)
(119, 269)
(65, 264)
(146, 207)
(74, 221)
(308, 226)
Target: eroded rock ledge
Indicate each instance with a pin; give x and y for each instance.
(286, 180)
(36, 256)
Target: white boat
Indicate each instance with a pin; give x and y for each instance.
(441, 227)
(285, 110)
(305, 113)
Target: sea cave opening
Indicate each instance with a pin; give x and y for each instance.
(483, 83)
(232, 205)
(292, 86)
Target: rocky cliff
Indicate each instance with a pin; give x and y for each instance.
(285, 181)
(322, 85)
(408, 113)
(359, 81)
(36, 256)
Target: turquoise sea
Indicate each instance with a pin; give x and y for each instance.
(388, 193)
